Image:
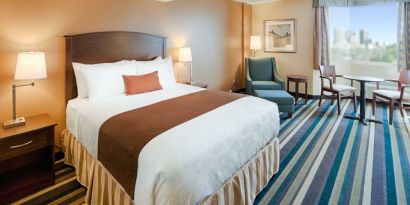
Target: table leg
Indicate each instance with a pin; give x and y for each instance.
(362, 101)
(297, 92)
(362, 115)
(288, 86)
(306, 87)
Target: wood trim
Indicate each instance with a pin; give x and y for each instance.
(110, 46)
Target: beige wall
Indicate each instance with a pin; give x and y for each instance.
(300, 62)
(213, 28)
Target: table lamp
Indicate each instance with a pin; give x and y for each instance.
(185, 55)
(256, 44)
(30, 66)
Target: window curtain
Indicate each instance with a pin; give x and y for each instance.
(321, 52)
(403, 52)
(317, 3)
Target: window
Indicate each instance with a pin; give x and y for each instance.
(364, 33)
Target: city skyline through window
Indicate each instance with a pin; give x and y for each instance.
(365, 33)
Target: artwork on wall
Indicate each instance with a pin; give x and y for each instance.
(280, 36)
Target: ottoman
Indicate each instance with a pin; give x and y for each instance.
(286, 102)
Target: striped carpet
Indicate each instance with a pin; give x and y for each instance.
(65, 191)
(325, 159)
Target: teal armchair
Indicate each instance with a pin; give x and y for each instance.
(262, 74)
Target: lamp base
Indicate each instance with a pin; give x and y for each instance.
(21, 121)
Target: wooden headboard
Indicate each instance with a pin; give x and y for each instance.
(106, 47)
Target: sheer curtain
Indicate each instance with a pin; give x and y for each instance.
(403, 53)
(321, 52)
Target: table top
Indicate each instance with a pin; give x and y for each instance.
(363, 78)
(33, 123)
(299, 77)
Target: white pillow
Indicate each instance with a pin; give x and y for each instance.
(105, 80)
(80, 79)
(164, 68)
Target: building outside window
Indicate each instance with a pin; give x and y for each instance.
(364, 33)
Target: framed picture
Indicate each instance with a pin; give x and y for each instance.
(280, 36)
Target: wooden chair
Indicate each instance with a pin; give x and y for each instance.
(338, 91)
(394, 96)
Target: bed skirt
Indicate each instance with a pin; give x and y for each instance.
(102, 188)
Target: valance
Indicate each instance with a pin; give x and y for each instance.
(348, 3)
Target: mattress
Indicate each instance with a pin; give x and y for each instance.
(191, 161)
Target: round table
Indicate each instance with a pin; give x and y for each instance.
(298, 79)
(363, 80)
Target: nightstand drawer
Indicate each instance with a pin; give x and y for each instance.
(14, 146)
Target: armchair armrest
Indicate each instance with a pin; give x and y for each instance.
(330, 81)
(278, 79)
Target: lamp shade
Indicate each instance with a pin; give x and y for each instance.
(30, 66)
(256, 43)
(185, 54)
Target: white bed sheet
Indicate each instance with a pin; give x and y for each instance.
(189, 162)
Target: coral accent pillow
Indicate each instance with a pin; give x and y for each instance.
(135, 84)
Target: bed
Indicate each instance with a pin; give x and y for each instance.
(224, 156)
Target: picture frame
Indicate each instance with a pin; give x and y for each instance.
(280, 36)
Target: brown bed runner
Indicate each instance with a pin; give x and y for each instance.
(122, 137)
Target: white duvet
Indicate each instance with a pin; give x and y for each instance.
(190, 162)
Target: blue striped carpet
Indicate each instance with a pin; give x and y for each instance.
(327, 159)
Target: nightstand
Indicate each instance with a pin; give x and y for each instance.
(201, 85)
(26, 158)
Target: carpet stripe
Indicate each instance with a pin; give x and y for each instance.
(313, 170)
(334, 184)
(390, 178)
(299, 152)
(404, 159)
(398, 177)
(307, 164)
(46, 191)
(358, 182)
(368, 177)
(297, 116)
(379, 189)
(63, 199)
(401, 162)
(319, 184)
(289, 136)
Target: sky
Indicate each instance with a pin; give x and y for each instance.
(379, 20)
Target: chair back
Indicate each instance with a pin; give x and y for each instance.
(261, 69)
(404, 77)
(328, 71)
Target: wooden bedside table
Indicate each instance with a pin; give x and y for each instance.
(201, 85)
(26, 158)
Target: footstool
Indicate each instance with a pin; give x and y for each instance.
(285, 101)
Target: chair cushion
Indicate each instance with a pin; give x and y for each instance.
(261, 69)
(278, 96)
(265, 85)
(340, 88)
(393, 94)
